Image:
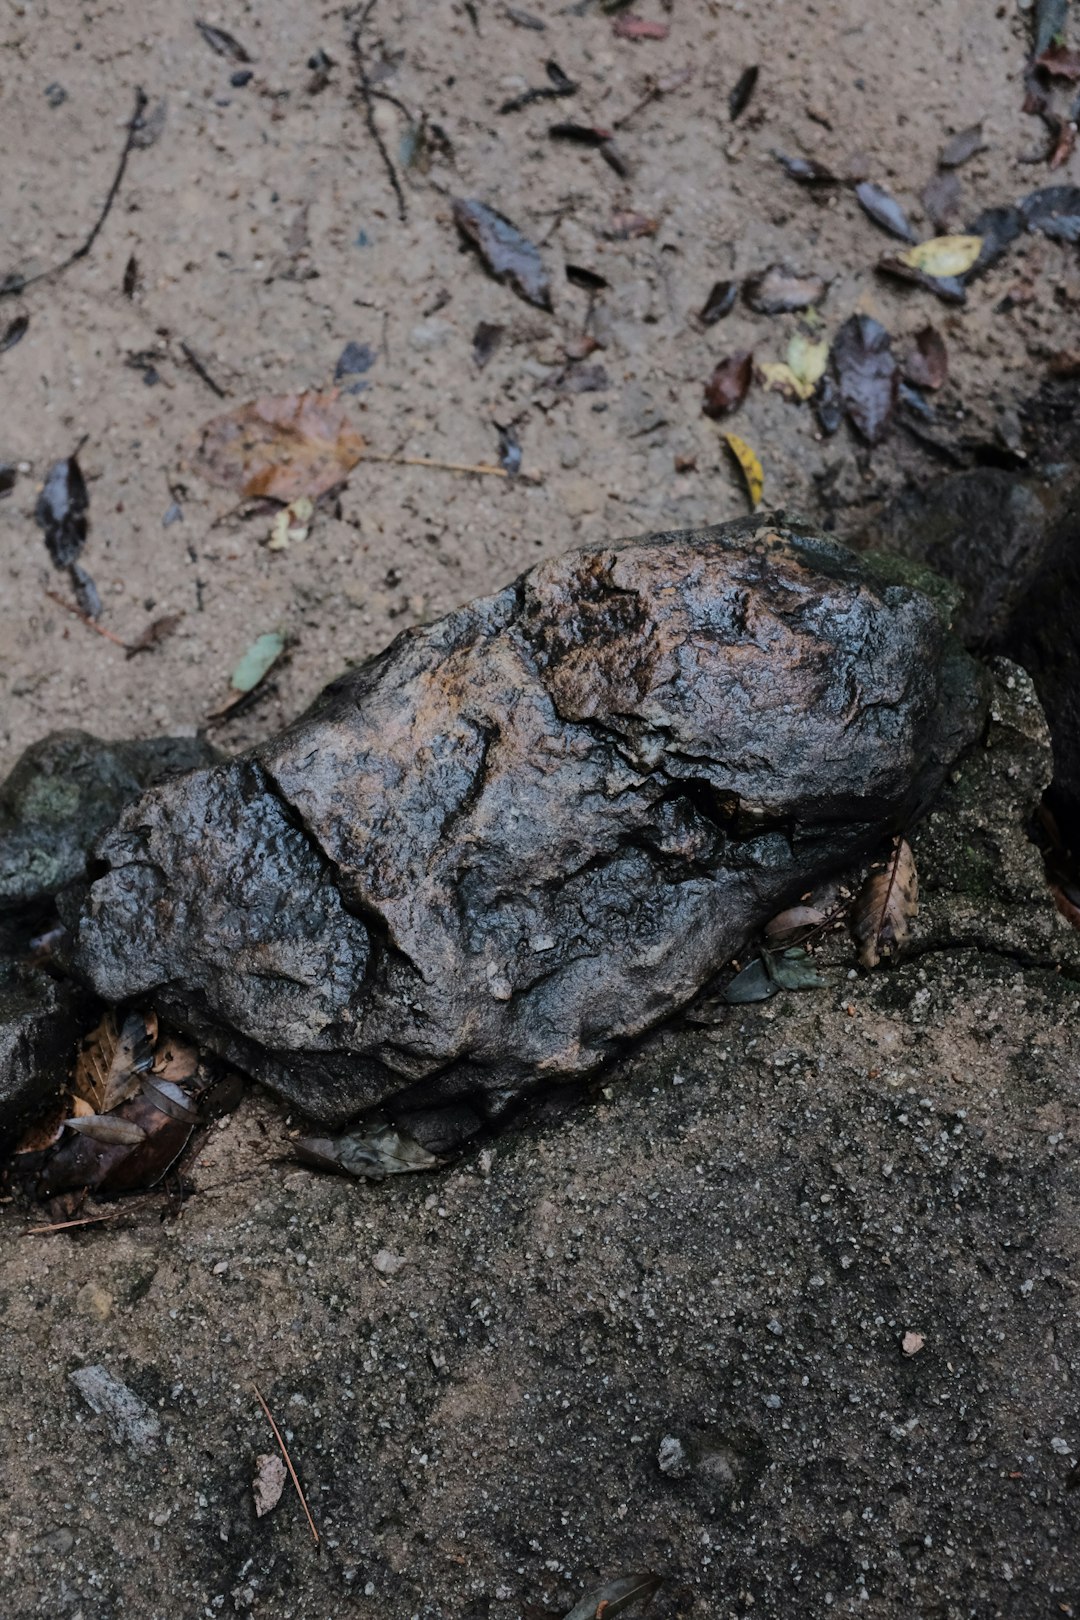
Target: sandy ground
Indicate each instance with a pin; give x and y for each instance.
(207, 212)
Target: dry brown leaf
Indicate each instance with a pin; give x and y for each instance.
(112, 1061)
(883, 909)
(793, 923)
(283, 446)
(175, 1060)
(47, 1129)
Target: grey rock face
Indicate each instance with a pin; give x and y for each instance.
(63, 793)
(526, 833)
(40, 1023)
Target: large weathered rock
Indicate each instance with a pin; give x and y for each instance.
(531, 830)
(62, 795)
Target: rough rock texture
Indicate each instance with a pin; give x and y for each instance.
(63, 793)
(727, 1249)
(40, 1023)
(533, 829)
(1011, 541)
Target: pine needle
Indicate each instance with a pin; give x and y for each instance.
(288, 1463)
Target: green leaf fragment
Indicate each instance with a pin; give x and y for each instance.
(259, 659)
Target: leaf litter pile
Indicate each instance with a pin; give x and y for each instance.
(132, 1108)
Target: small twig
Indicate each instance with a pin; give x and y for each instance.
(18, 284)
(288, 1462)
(429, 461)
(87, 620)
(367, 91)
(657, 89)
(200, 370)
(893, 868)
(62, 1226)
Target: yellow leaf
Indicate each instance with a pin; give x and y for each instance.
(943, 255)
(783, 380)
(807, 357)
(751, 466)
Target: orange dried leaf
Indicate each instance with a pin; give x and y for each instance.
(282, 446)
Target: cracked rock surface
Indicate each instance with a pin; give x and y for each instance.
(531, 830)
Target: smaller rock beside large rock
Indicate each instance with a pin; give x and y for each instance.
(61, 796)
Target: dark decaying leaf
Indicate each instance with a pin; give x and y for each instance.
(927, 361)
(999, 228)
(507, 254)
(884, 210)
(378, 1153)
(62, 511)
(1049, 24)
(912, 402)
(86, 592)
(962, 146)
(779, 289)
(720, 302)
(754, 982)
(9, 477)
(560, 85)
(130, 283)
(14, 332)
(580, 134)
(486, 339)
(222, 43)
(807, 171)
(509, 451)
(744, 87)
(941, 197)
(950, 289)
(112, 1060)
(580, 275)
(615, 1597)
(828, 406)
(580, 378)
(794, 969)
(81, 1161)
(727, 387)
(866, 374)
(354, 360)
(282, 446)
(1055, 211)
(884, 906)
(1060, 62)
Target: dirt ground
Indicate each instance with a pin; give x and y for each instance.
(729, 1249)
(207, 212)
